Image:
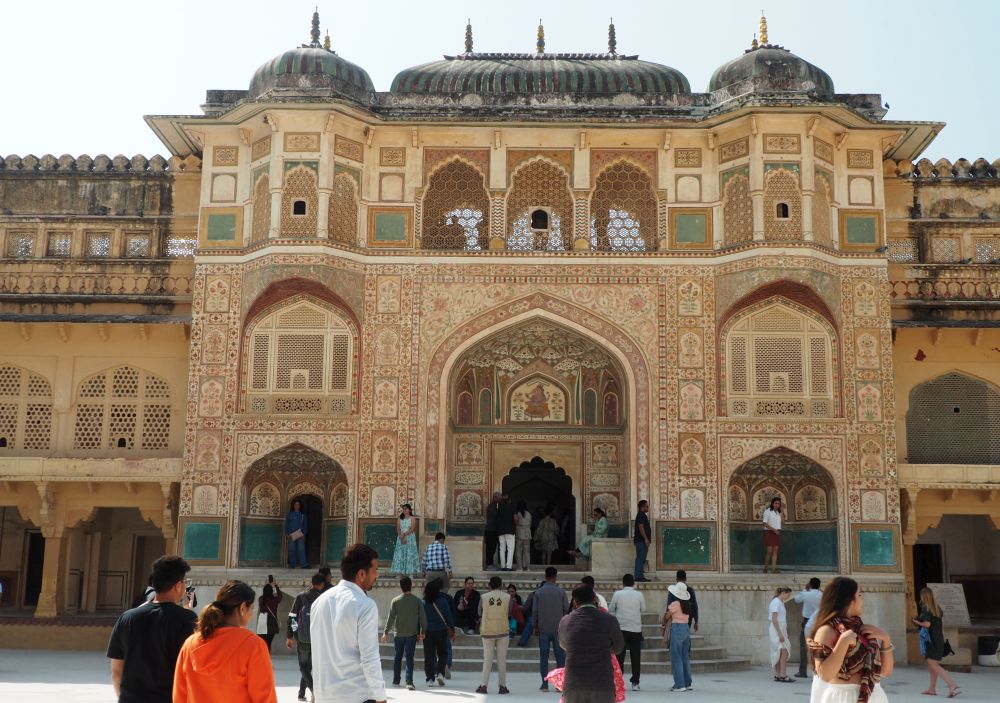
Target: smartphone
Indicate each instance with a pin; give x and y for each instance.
(270, 578)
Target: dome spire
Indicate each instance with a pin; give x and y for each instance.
(540, 44)
(314, 32)
(326, 40)
(753, 44)
(612, 40)
(763, 28)
(468, 36)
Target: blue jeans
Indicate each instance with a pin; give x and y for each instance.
(407, 645)
(297, 552)
(680, 654)
(449, 655)
(529, 629)
(641, 550)
(544, 640)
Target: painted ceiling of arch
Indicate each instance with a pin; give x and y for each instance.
(786, 466)
(296, 459)
(515, 349)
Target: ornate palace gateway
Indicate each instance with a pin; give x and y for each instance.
(565, 276)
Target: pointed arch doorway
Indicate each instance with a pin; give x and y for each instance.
(543, 487)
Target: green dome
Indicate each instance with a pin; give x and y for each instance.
(771, 69)
(594, 75)
(309, 69)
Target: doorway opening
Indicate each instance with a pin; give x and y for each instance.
(544, 487)
(34, 562)
(312, 507)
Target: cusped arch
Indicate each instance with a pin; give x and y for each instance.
(25, 409)
(624, 208)
(540, 182)
(456, 206)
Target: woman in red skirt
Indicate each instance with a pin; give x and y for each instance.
(772, 534)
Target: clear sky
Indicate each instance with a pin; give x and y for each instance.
(79, 75)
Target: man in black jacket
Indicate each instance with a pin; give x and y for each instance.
(490, 537)
(589, 635)
(298, 631)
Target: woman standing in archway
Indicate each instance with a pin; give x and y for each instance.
(405, 561)
(772, 534)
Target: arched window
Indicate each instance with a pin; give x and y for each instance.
(261, 208)
(782, 205)
(456, 209)
(623, 209)
(779, 362)
(301, 360)
(298, 200)
(737, 207)
(822, 202)
(540, 185)
(25, 410)
(122, 408)
(953, 419)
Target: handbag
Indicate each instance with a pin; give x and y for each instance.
(262, 623)
(447, 628)
(947, 651)
(296, 536)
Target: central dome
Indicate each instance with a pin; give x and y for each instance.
(540, 74)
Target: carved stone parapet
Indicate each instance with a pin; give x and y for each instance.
(50, 470)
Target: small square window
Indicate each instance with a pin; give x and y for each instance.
(299, 207)
(99, 244)
(20, 245)
(60, 244)
(137, 246)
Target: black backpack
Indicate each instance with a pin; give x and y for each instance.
(302, 633)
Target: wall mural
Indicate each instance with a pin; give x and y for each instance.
(537, 400)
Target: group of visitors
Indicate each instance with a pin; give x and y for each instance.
(510, 530)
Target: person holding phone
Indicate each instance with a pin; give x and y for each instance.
(190, 600)
(267, 606)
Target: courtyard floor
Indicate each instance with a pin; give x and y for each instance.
(48, 677)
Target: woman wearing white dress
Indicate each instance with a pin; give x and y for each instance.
(851, 658)
(777, 630)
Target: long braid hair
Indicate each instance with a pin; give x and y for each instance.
(231, 596)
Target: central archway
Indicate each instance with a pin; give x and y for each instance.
(545, 488)
(271, 485)
(810, 520)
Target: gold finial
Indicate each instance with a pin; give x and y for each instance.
(314, 33)
(326, 40)
(540, 44)
(612, 40)
(753, 44)
(763, 28)
(468, 36)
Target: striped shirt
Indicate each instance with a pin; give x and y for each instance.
(437, 557)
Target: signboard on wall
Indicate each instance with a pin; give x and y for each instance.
(951, 598)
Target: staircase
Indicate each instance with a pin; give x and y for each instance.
(467, 654)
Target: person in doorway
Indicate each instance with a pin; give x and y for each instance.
(677, 636)
(491, 539)
(146, 641)
(777, 631)
(440, 629)
(628, 605)
(693, 617)
(602, 602)
(346, 663)
(466, 602)
(437, 561)
(548, 605)
(600, 530)
(809, 597)
(641, 539)
(588, 636)
(296, 529)
(494, 614)
(932, 645)
(267, 606)
(771, 519)
(506, 529)
(522, 535)
(407, 613)
(406, 560)
(222, 662)
(850, 657)
(297, 634)
(547, 536)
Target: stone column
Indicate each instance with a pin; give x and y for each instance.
(908, 496)
(581, 220)
(498, 219)
(51, 600)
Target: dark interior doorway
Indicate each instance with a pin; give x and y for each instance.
(34, 562)
(542, 485)
(928, 566)
(312, 506)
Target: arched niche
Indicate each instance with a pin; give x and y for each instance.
(953, 419)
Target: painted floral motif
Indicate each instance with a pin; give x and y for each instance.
(387, 294)
(387, 351)
(210, 399)
(605, 454)
(689, 299)
(265, 501)
(383, 501)
(386, 397)
(692, 504)
(762, 498)
(873, 507)
(810, 503)
(872, 463)
(692, 460)
(866, 351)
(217, 295)
(338, 500)
(691, 353)
(213, 347)
(691, 406)
(207, 454)
(469, 454)
(206, 500)
(384, 454)
(865, 300)
(468, 504)
(737, 503)
(609, 503)
(869, 403)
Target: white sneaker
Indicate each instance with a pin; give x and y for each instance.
(677, 689)
(690, 688)
(635, 687)
(440, 680)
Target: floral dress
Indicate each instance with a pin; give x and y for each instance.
(600, 530)
(405, 559)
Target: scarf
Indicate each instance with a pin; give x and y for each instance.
(863, 658)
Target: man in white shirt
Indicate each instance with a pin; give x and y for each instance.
(809, 598)
(344, 632)
(628, 605)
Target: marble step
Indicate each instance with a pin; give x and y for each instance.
(655, 653)
(648, 667)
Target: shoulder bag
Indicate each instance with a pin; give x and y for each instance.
(447, 628)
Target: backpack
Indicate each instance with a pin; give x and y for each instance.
(302, 629)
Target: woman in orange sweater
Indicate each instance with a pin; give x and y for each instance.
(223, 661)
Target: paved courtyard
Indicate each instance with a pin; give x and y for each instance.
(50, 677)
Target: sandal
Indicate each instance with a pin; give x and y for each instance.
(953, 693)
(928, 693)
(784, 679)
